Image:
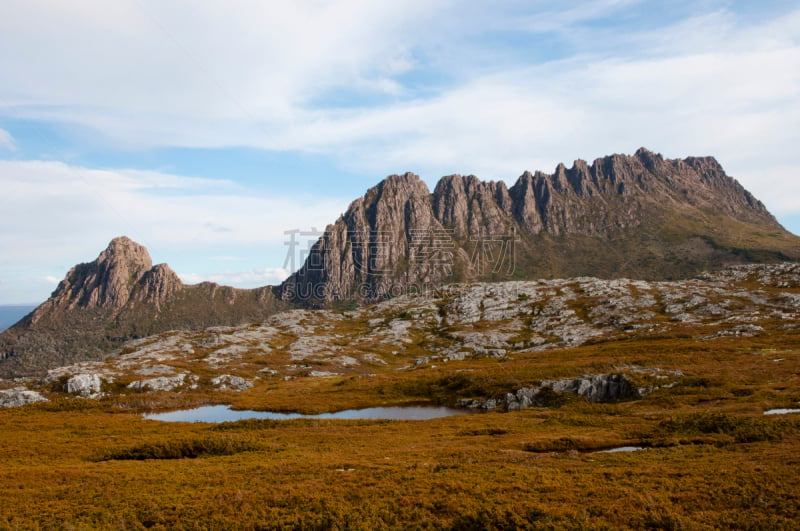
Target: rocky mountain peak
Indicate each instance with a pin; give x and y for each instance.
(108, 281)
(638, 215)
(118, 296)
(122, 252)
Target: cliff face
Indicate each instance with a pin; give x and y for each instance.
(640, 216)
(120, 296)
(121, 274)
(383, 239)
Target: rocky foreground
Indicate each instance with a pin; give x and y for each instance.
(457, 323)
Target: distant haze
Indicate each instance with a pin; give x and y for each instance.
(9, 315)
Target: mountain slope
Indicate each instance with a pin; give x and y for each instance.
(120, 296)
(639, 216)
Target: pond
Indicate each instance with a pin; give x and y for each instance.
(781, 411)
(226, 414)
(621, 449)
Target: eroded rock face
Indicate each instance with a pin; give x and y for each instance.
(109, 281)
(19, 396)
(596, 388)
(399, 237)
(383, 238)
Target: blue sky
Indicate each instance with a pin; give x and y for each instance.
(205, 130)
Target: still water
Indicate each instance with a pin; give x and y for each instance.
(226, 414)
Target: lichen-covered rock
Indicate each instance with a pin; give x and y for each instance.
(595, 388)
(162, 383)
(234, 383)
(86, 385)
(19, 396)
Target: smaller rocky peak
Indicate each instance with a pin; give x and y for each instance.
(612, 170)
(525, 179)
(405, 185)
(466, 185)
(449, 185)
(158, 285)
(107, 282)
(122, 251)
(709, 168)
(393, 193)
(559, 179)
(501, 194)
(580, 178)
(526, 185)
(581, 167)
(651, 161)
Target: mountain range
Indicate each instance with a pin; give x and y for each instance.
(640, 216)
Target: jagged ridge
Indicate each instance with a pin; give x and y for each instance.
(639, 216)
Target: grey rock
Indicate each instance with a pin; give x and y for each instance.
(162, 383)
(86, 385)
(595, 388)
(234, 383)
(19, 396)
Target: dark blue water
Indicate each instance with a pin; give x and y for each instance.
(10, 314)
(226, 414)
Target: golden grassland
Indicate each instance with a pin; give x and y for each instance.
(712, 460)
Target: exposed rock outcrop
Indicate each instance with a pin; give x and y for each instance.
(594, 387)
(234, 383)
(86, 385)
(107, 283)
(639, 216)
(19, 396)
(162, 383)
(503, 323)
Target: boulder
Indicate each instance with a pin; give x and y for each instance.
(234, 383)
(19, 396)
(86, 385)
(162, 383)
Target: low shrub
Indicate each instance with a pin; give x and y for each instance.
(183, 449)
(741, 429)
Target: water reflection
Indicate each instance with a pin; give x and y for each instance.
(226, 414)
(781, 411)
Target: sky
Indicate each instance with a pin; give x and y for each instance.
(208, 130)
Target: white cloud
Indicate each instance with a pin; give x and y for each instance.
(221, 75)
(55, 214)
(51, 279)
(6, 140)
(261, 75)
(246, 279)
